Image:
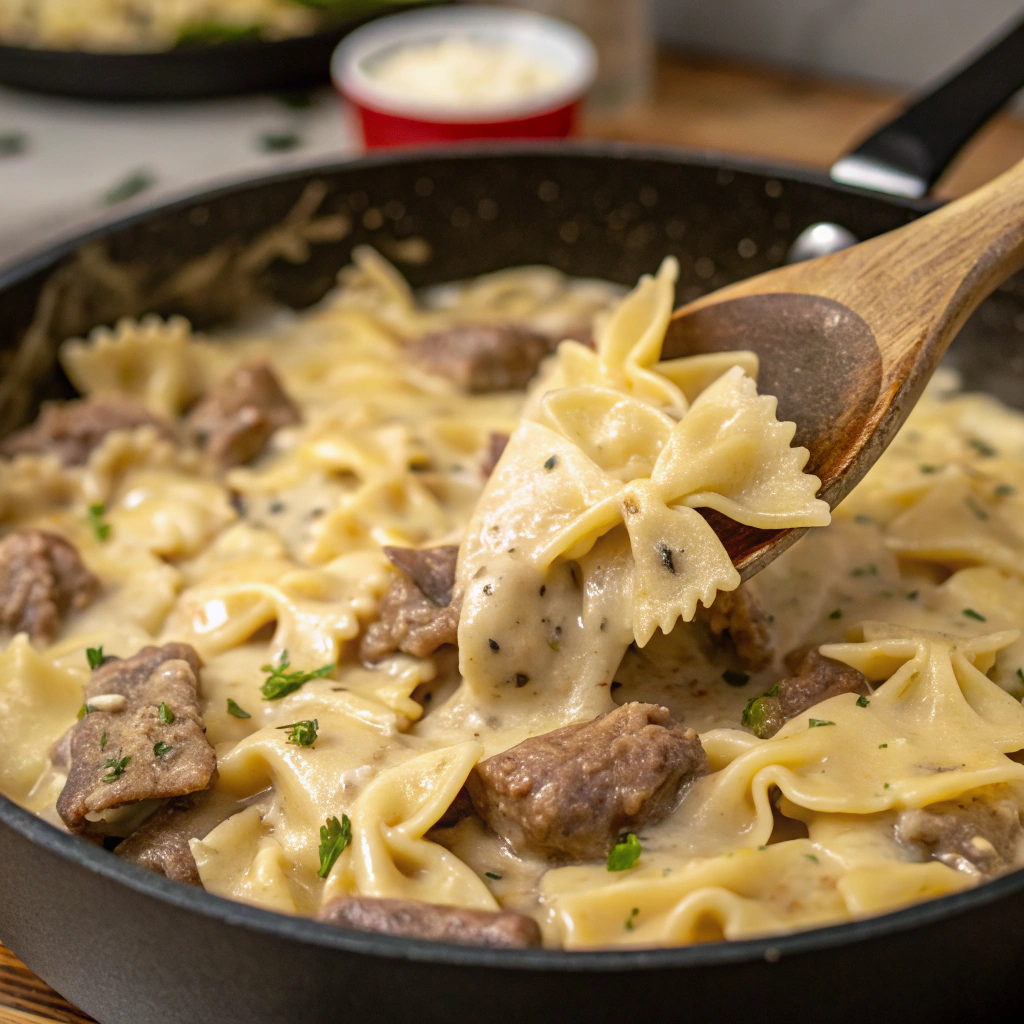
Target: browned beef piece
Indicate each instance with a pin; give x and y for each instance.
(431, 569)
(161, 843)
(495, 449)
(420, 612)
(127, 754)
(570, 793)
(42, 578)
(815, 678)
(461, 807)
(738, 615)
(236, 420)
(970, 834)
(71, 430)
(60, 752)
(482, 357)
(412, 919)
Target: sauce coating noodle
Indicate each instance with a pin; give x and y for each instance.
(584, 571)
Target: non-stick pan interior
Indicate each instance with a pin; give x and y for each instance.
(610, 214)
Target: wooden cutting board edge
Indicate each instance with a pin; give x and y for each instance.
(24, 999)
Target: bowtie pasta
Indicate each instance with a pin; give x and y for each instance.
(401, 612)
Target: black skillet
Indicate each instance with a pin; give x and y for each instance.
(186, 73)
(132, 948)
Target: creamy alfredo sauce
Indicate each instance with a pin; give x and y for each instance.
(917, 583)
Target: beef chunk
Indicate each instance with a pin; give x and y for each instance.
(461, 807)
(420, 612)
(738, 615)
(815, 678)
(42, 578)
(412, 919)
(71, 430)
(60, 752)
(121, 755)
(495, 449)
(970, 834)
(236, 420)
(431, 569)
(161, 844)
(482, 357)
(570, 793)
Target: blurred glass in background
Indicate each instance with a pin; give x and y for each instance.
(623, 32)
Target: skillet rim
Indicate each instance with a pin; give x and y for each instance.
(310, 932)
(35, 259)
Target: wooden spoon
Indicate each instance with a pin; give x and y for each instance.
(847, 342)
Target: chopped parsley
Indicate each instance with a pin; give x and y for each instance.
(735, 678)
(630, 919)
(166, 715)
(13, 143)
(236, 711)
(814, 723)
(494, 645)
(912, 596)
(494, 875)
(85, 709)
(334, 837)
(129, 187)
(1004, 491)
(103, 742)
(296, 100)
(837, 614)
(983, 448)
(551, 462)
(161, 748)
(930, 469)
(94, 655)
(100, 528)
(279, 142)
(115, 768)
(866, 570)
(886, 785)
(215, 33)
(302, 734)
(280, 682)
(882, 746)
(862, 701)
(553, 644)
(625, 853)
(972, 614)
(811, 857)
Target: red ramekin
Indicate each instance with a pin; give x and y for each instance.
(387, 120)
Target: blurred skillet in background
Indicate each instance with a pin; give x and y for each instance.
(197, 69)
(127, 945)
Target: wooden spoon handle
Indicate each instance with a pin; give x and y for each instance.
(916, 286)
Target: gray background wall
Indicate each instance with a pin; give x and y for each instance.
(902, 42)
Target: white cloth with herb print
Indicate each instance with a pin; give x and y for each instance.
(66, 165)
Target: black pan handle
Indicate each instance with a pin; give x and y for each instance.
(908, 155)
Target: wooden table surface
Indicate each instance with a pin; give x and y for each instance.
(704, 104)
